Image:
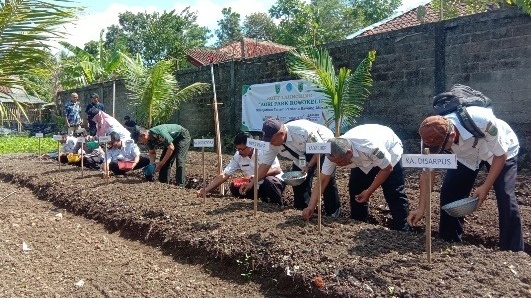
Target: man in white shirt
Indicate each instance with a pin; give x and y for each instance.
(289, 140)
(373, 154)
(498, 151)
(69, 142)
(123, 150)
(269, 189)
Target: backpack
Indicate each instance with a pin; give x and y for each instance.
(456, 100)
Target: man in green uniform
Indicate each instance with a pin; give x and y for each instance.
(175, 141)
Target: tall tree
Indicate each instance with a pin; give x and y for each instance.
(260, 26)
(371, 11)
(229, 27)
(157, 36)
(26, 27)
(295, 27)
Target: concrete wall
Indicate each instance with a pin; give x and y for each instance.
(490, 52)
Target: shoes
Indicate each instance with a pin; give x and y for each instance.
(149, 178)
(335, 214)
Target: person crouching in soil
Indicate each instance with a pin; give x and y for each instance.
(373, 153)
(69, 142)
(92, 158)
(269, 189)
(498, 151)
(123, 156)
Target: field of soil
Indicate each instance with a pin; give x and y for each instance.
(276, 250)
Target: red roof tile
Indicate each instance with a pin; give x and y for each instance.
(407, 19)
(246, 48)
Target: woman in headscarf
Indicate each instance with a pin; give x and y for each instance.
(106, 124)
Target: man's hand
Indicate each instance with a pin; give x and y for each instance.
(415, 216)
(158, 166)
(307, 213)
(245, 188)
(481, 192)
(363, 197)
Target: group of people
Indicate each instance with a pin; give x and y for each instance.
(373, 154)
(123, 152)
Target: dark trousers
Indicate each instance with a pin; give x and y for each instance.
(393, 190)
(113, 166)
(302, 193)
(458, 184)
(92, 129)
(270, 191)
(181, 144)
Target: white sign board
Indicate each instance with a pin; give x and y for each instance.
(104, 139)
(256, 144)
(39, 135)
(81, 139)
(285, 101)
(318, 148)
(203, 143)
(432, 161)
(58, 137)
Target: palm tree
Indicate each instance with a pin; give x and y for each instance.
(26, 27)
(345, 90)
(154, 90)
(88, 68)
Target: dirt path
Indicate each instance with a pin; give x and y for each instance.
(70, 256)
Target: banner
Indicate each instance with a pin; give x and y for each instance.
(287, 100)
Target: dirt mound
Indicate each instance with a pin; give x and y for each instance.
(347, 259)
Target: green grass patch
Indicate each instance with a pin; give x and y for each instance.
(24, 144)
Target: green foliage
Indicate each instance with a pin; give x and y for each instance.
(26, 27)
(157, 36)
(154, 90)
(371, 11)
(24, 144)
(345, 90)
(451, 8)
(229, 27)
(91, 68)
(260, 26)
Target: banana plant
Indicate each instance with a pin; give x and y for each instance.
(344, 90)
(154, 90)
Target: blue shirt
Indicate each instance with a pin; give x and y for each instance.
(72, 112)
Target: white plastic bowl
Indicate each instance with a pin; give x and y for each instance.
(294, 178)
(461, 208)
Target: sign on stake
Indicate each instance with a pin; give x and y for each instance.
(257, 145)
(39, 135)
(202, 143)
(82, 141)
(318, 148)
(427, 162)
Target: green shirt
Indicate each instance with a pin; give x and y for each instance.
(163, 135)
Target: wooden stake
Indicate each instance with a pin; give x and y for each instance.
(106, 171)
(319, 191)
(216, 123)
(204, 174)
(255, 155)
(59, 154)
(427, 198)
(82, 173)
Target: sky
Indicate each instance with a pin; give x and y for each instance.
(100, 14)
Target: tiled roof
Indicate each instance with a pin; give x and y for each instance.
(19, 95)
(245, 48)
(401, 20)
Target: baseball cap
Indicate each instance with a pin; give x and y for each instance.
(114, 136)
(434, 132)
(271, 127)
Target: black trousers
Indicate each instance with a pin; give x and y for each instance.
(92, 129)
(303, 192)
(113, 166)
(181, 145)
(458, 184)
(393, 190)
(270, 191)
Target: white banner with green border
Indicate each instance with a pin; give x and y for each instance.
(287, 100)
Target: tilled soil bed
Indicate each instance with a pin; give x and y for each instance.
(346, 259)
